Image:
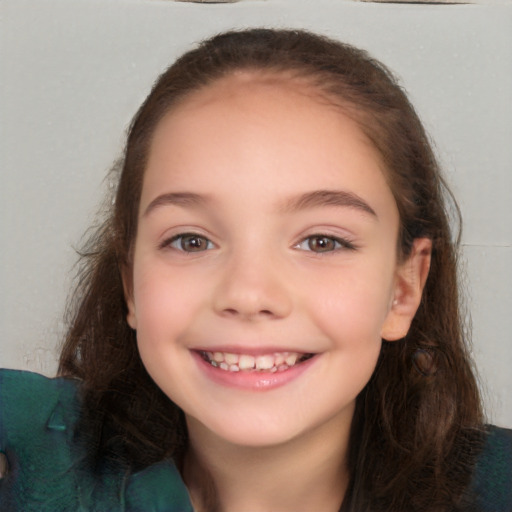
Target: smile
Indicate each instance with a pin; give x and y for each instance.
(277, 362)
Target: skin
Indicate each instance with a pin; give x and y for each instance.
(253, 281)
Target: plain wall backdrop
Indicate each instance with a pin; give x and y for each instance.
(73, 72)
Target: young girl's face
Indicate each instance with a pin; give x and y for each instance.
(265, 268)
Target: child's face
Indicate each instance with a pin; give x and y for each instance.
(267, 233)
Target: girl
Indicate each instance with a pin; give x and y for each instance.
(268, 318)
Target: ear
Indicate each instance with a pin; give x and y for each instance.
(131, 317)
(410, 279)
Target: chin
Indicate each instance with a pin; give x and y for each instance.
(249, 432)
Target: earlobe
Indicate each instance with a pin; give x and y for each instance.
(131, 317)
(410, 280)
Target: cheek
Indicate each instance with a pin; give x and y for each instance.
(165, 303)
(354, 305)
(164, 311)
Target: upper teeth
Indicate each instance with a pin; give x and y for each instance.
(235, 362)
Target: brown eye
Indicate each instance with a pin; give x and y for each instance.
(190, 242)
(322, 244)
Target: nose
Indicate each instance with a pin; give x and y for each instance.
(252, 287)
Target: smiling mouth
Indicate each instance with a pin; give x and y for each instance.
(277, 362)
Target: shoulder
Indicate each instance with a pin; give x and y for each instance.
(32, 407)
(492, 479)
(29, 399)
(39, 419)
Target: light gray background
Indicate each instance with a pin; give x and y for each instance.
(73, 72)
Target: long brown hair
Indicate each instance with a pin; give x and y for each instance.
(414, 432)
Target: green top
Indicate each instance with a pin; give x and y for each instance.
(37, 423)
(37, 426)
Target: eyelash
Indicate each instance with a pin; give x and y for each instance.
(336, 243)
(179, 239)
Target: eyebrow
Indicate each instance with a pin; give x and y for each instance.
(319, 198)
(175, 198)
(314, 199)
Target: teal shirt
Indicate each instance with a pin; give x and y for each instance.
(37, 426)
(37, 423)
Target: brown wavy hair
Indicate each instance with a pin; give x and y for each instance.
(417, 422)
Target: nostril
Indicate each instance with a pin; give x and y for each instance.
(235, 312)
(4, 466)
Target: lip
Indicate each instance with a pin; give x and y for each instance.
(253, 381)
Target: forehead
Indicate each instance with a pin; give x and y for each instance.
(274, 127)
(264, 85)
(255, 97)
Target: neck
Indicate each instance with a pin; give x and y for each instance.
(300, 475)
